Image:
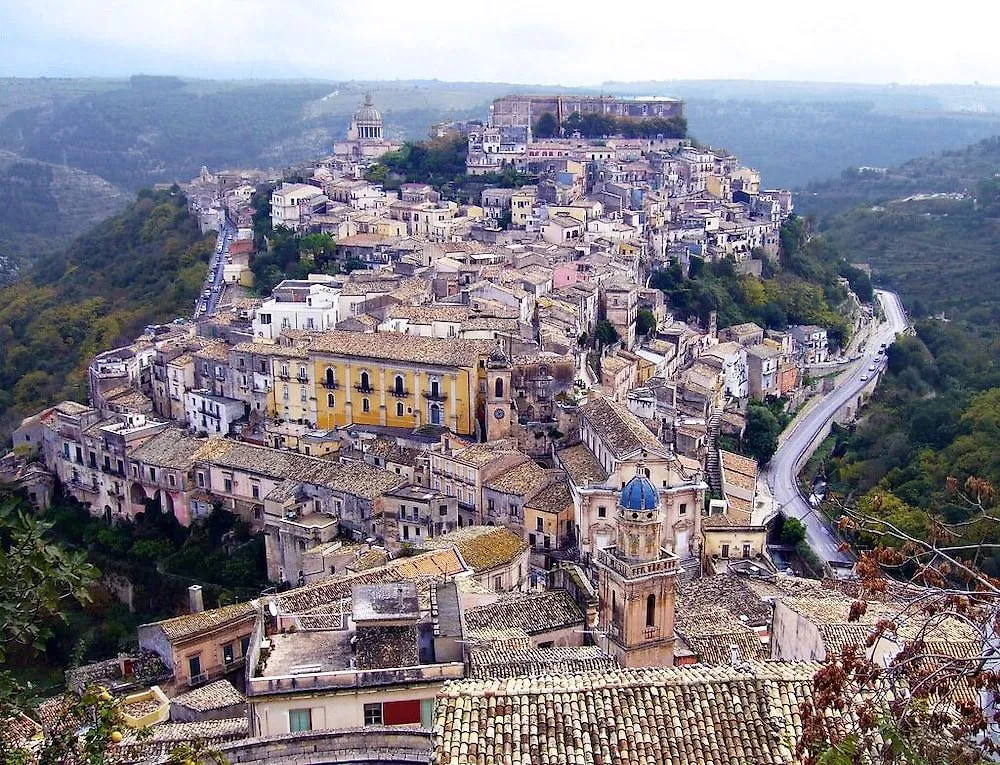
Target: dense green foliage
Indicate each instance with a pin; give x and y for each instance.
(804, 288)
(645, 322)
(793, 531)
(546, 126)
(594, 125)
(935, 414)
(141, 266)
(39, 582)
(284, 254)
(939, 255)
(764, 423)
(440, 163)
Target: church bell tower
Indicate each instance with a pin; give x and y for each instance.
(636, 581)
(498, 394)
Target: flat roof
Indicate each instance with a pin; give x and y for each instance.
(307, 653)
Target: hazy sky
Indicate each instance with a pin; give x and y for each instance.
(535, 41)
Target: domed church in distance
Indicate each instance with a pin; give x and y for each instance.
(366, 134)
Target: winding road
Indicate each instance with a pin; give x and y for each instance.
(782, 470)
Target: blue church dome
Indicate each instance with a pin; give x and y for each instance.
(639, 494)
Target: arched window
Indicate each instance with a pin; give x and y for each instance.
(399, 409)
(329, 400)
(651, 611)
(435, 388)
(329, 377)
(399, 385)
(365, 405)
(365, 382)
(498, 387)
(435, 414)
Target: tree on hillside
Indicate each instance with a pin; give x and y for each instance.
(793, 531)
(925, 685)
(645, 322)
(606, 333)
(547, 126)
(760, 438)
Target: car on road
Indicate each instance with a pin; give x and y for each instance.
(872, 367)
(207, 292)
(865, 377)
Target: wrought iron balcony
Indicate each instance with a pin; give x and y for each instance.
(364, 388)
(334, 385)
(432, 396)
(398, 393)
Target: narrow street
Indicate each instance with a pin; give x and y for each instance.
(782, 471)
(208, 300)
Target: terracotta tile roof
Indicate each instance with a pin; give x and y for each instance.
(18, 731)
(484, 548)
(620, 430)
(357, 478)
(217, 695)
(433, 565)
(180, 628)
(428, 313)
(484, 453)
(740, 471)
(581, 465)
(395, 346)
(714, 604)
(533, 613)
(717, 648)
(681, 715)
(170, 448)
(166, 736)
(500, 662)
(523, 479)
(552, 499)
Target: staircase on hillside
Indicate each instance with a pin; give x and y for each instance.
(712, 469)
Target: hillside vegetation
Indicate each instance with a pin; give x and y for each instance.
(803, 287)
(143, 265)
(43, 206)
(939, 253)
(935, 416)
(934, 421)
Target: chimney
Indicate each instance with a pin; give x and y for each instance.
(734, 654)
(195, 601)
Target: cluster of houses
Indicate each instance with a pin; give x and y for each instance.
(458, 486)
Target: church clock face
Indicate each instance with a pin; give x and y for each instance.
(499, 413)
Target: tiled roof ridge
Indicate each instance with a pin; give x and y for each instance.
(692, 675)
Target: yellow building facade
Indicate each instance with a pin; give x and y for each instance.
(392, 379)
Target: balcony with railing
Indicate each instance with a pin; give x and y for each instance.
(666, 563)
(364, 388)
(398, 392)
(431, 395)
(331, 384)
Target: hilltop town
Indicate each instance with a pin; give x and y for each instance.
(488, 461)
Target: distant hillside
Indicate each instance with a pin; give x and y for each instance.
(42, 206)
(151, 130)
(958, 170)
(940, 253)
(143, 265)
(148, 130)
